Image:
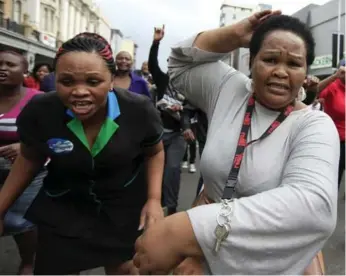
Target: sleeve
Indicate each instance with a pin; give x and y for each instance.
(160, 79)
(326, 92)
(28, 125)
(185, 119)
(279, 231)
(153, 125)
(153, 63)
(198, 74)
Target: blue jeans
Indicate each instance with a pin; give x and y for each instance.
(14, 220)
(174, 146)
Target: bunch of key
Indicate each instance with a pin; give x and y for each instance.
(221, 233)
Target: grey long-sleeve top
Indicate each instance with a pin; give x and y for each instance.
(286, 202)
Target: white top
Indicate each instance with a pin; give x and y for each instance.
(287, 184)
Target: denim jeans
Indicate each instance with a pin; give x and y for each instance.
(174, 146)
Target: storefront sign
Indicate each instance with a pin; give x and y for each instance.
(48, 40)
(322, 62)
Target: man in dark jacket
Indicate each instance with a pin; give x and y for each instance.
(199, 133)
(170, 106)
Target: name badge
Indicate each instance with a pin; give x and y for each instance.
(60, 146)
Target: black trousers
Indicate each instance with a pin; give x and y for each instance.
(341, 161)
(174, 146)
(191, 148)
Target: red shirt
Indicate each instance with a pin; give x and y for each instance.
(334, 105)
(30, 82)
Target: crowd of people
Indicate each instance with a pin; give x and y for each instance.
(92, 150)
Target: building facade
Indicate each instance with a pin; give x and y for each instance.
(323, 22)
(233, 11)
(38, 27)
(130, 46)
(116, 40)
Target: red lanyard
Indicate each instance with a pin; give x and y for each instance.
(242, 144)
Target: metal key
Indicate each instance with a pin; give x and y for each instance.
(221, 233)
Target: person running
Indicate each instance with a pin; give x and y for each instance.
(106, 162)
(13, 98)
(174, 144)
(125, 78)
(40, 71)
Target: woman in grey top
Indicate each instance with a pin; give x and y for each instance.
(285, 199)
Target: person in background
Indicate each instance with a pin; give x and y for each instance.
(48, 83)
(174, 143)
(332, 91)
(125, 78)
(189, 158)
(40, 71)
(103, 186)
(145, 74)
(200, 133)
(14, 96)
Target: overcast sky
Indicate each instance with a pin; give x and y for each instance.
(137, 18)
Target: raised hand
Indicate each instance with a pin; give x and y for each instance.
(159, 33)
(249, 25)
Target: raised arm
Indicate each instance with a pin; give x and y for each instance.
(160, 78)
(326, 82)
(195, 65)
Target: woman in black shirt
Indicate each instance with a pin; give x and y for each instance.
(106, 162)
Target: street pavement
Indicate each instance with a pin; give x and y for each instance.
(334, 251)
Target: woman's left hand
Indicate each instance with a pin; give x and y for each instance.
(10, 152)
(151, 213)
(165, 245)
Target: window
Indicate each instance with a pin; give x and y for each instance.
(2, 10)
(52, 21)
(46, 19)
(17, 15)
(234, 16)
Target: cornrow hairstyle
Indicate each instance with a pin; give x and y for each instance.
(285, 23)
(89, 43)
(23, 59)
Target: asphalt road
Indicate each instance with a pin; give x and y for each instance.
(334, 251)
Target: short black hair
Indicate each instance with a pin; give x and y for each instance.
(284, 23)
(20, 55)
(89, 43)
(38, 66)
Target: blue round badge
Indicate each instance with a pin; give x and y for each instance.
(60, 146)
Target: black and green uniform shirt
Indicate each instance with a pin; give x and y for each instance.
(83, 183)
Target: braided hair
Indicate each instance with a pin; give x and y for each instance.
(89, 43)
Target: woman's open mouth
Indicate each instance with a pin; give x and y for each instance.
(82, 107)
(3, 76)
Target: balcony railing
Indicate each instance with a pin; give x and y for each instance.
(11, 25)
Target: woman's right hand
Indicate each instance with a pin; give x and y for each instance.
(249, 25)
